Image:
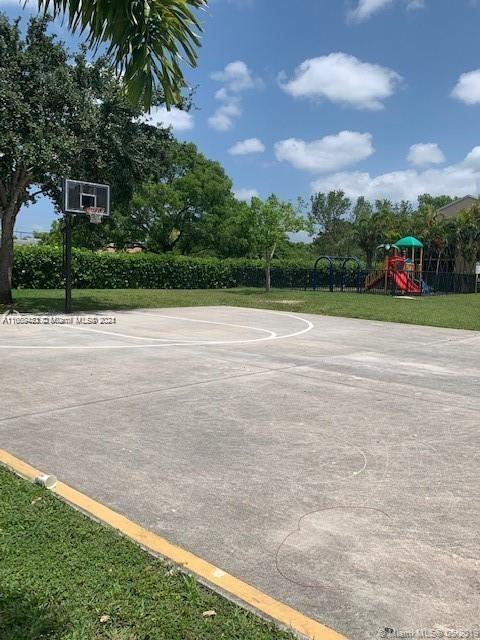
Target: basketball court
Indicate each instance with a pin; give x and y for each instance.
(331, 463)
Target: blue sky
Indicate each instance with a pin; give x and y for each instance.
(377, 97)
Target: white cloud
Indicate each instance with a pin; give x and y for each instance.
(425, 154)
(236, 78)
(244, 147)
(455, 180)
(176, 118)
(366, 8)
(342, 78)
(472, 160)
(467, 88)
(245, 194)
(327, 154)
(221, 94)
(224, 117)
(413, 5)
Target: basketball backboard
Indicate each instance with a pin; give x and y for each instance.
(80, 196)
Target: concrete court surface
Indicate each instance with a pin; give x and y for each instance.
(332, 463)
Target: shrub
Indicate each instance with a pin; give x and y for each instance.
(40, 267)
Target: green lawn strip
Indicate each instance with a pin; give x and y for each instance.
(454, 311)
(63, 576)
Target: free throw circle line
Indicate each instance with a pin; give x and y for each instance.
(158, 315)
(309, 327)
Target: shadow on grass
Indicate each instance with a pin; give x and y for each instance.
(118, 300)
(247, 292)
(23, 617)
(50, 304)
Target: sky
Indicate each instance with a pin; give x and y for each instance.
(379, 98)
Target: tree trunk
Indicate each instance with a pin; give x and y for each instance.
(369, 259)
(6, 257)
(11, 200)
(268, 280)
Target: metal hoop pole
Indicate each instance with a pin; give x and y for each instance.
(68, 262)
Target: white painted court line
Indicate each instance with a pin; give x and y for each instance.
(272, 335)
(127, 335)
(164, 315)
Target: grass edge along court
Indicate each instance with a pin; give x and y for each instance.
(459, 311)
(65, 576)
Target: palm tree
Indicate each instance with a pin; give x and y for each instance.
(146, 39)
(431, 231)
(468, 236)
(370, 227)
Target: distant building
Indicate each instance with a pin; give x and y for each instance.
(451, 211)
(134, 248)
(22, 238)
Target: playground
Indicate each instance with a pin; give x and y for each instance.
(329, 462)
(402, 273)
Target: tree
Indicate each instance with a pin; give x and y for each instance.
(63, 117)
(368, 229)
(274, 219)
(468, 236)
(235, 236)
(84, 234)
(438, 235)
(146, 39)
(434, 202)
(183, 210)
(299, 252)
(328, 217)
(391, 225)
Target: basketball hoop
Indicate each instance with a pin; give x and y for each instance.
(95, 214)
(90, 200)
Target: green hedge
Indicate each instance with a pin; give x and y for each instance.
(37, 267)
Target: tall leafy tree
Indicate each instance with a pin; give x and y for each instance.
(468, 238)
(439, 236)
(235, 236)
(146, 39)
(273, 220)
(183, 210)
(369, 229)
(329, 218)
(426, 201)
(62, 117)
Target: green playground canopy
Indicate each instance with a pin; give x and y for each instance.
(408, 243)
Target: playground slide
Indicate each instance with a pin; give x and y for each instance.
(401, 280)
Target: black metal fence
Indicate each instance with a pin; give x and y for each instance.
(375, 281)
(451, 282)
(349, 280)
(281, 277)
(431, 283)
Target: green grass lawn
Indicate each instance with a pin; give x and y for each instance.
(456, 311)
(65, 577)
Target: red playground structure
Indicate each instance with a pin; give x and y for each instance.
(402, 272)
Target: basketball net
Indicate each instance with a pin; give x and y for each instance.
(95, 214)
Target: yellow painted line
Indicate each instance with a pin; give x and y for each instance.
(274, 609)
